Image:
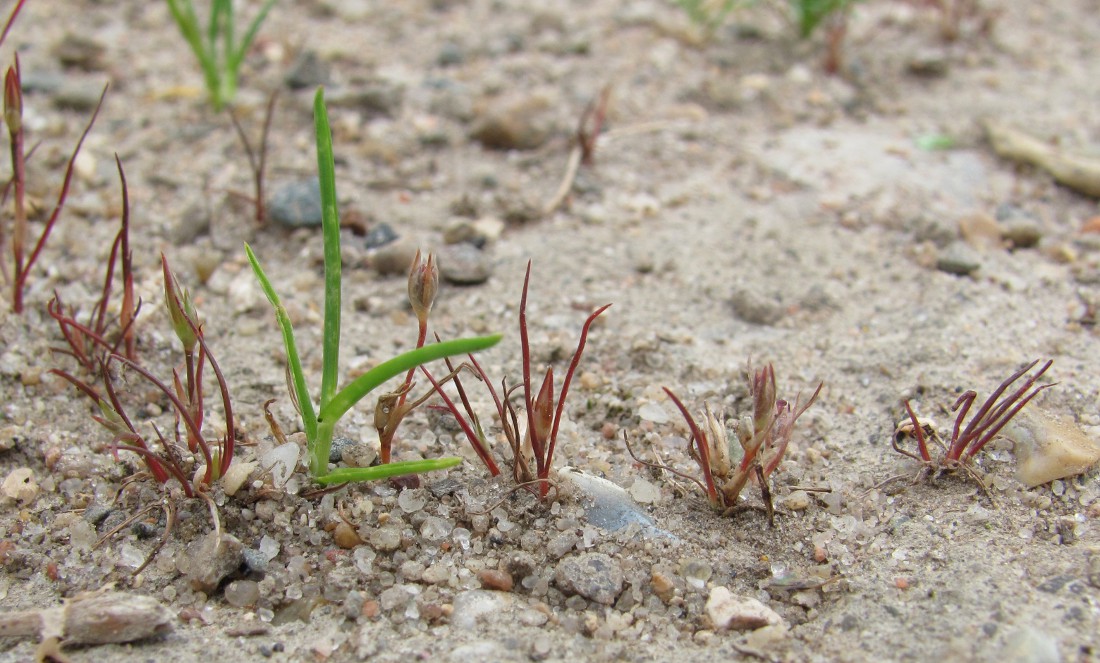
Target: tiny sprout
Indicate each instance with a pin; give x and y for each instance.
(423, 285)
(180, 308)
(13, 99)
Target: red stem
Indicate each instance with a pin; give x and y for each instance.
(702, 448)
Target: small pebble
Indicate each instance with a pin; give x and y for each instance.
(380, 235)
(738, 613)
(755, 308)
(799, 500)
(500, 581)
(663, 586)
(958, 259)
(345, 536)
(595, 576)
(464, 264)
(296, 204)
(307, 72)
(515, 123)
(385, 539)
(393, 259)
(242, 593)
(82, 52)
(21, 485)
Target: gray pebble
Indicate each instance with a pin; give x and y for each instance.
(450, 53)
(380, 235)
(385, 539)
(208, 561)
(96, 513)
(1030, 645)
(77, 95)
(336, 451)
(594, 576)
(754, 308)
(82, 52)
(519, 123)
(929, 63)
(296, 204)
(958, 259)
(255, 560)
(464, 264)
(375, 97)
(1022, 233)
(393, 259)
(307, 71)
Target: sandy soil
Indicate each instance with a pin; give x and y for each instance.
(743, 206)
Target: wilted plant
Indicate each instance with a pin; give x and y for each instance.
(257, 156)
(966, 441)
(762, 436)
(543, 410)
(320, 422)
(169, 458)
(13, 118)
(92, 341)
(216, 47)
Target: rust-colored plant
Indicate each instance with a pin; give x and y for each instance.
(763, 437)
(93, 340)
(543, 409)
(966, 441)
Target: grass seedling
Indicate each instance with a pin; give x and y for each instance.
(92, 341)
(257, 157)
(13, 118)
(709, 15)
(833, 14)
(178, 455)
(966, 441)
(763, 437)
(543, 410)
(216, 47)
(320, 422)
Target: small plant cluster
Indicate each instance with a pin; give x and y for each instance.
(215, 46)
(762, 437)
(969, 439)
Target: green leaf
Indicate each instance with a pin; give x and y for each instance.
(309, 416)
(330, 225)
(346, 474)
(403, 363)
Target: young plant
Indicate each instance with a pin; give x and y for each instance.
(257, 157)
(763, 437)
(320, 422)
(966, 441)
(101, 335)
(833, 14)
(543, 410)
(13, 118)
(216, 47)
(174, 458)
(709, 15)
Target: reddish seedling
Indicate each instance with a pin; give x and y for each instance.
(763, 436)
(588, 130)
(23, 262)
(93, 340)
(969, 439)
(257, 156)
(169, 458)
(544, 409)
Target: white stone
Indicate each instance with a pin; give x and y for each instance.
(1049, 448)
(738, 613)
(281, 462)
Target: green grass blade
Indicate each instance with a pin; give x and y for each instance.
(309, 416)
(330, 226)
(346, 474)
(250, 34)
(403, 363)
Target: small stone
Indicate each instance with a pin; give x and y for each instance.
(345, 536)
(1021, 233)
(755, 308)
(437, 573)
(281, 462)
(929, 63)
(236, 475)
(515, 123)
(77, 95)
(738, 613)
(436, 529)
(594, 576)
(500, 581)
(478, 232)
(958, 259)
(1049, 448)
(374, 97)
(411, 501)
(696, 572)
(208, 561)
(464, 264)
(663, 586)
(799, 500)
(385, 539)
(82, 52)
(393, 259)
(20, 485)
(296, 204)
(307, 71)
(242, 593)
(380, 235)
(644, 492)
(336, 451)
